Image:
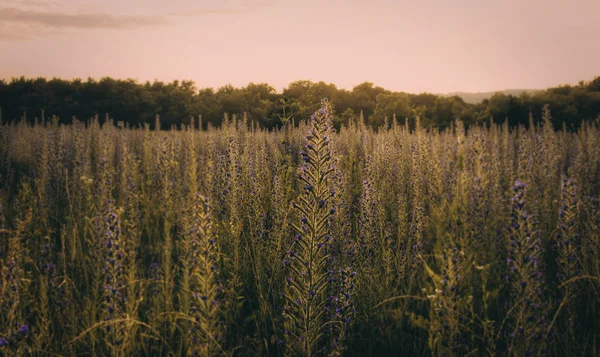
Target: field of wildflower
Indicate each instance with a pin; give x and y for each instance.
(301, 241)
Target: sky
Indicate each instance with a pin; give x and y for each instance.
(436, 46)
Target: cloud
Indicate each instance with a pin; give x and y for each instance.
(22, 20)
(33, 3)
(240, 8)
(82, 21)
(11, 35)
(21, 32)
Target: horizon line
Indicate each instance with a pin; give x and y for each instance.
(8, 79)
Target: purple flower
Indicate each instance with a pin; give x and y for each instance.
(24, 330)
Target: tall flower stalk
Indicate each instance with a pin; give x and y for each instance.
(567, 235)
(306, 288)
(114, 286)
(13, 328)
(569, 259)
(201, 255)
(527, 332)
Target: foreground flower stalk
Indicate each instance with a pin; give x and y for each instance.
(306, 288)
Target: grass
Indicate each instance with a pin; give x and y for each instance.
(301, 241)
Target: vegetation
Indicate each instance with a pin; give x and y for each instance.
(478, 97)
(136, 104)
(306, 240)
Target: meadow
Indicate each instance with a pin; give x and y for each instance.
(299, 241)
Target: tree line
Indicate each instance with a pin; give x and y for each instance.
(175, 103)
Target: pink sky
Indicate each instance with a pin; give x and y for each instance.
(414, 46)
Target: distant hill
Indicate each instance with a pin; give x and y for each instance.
(474, 98)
